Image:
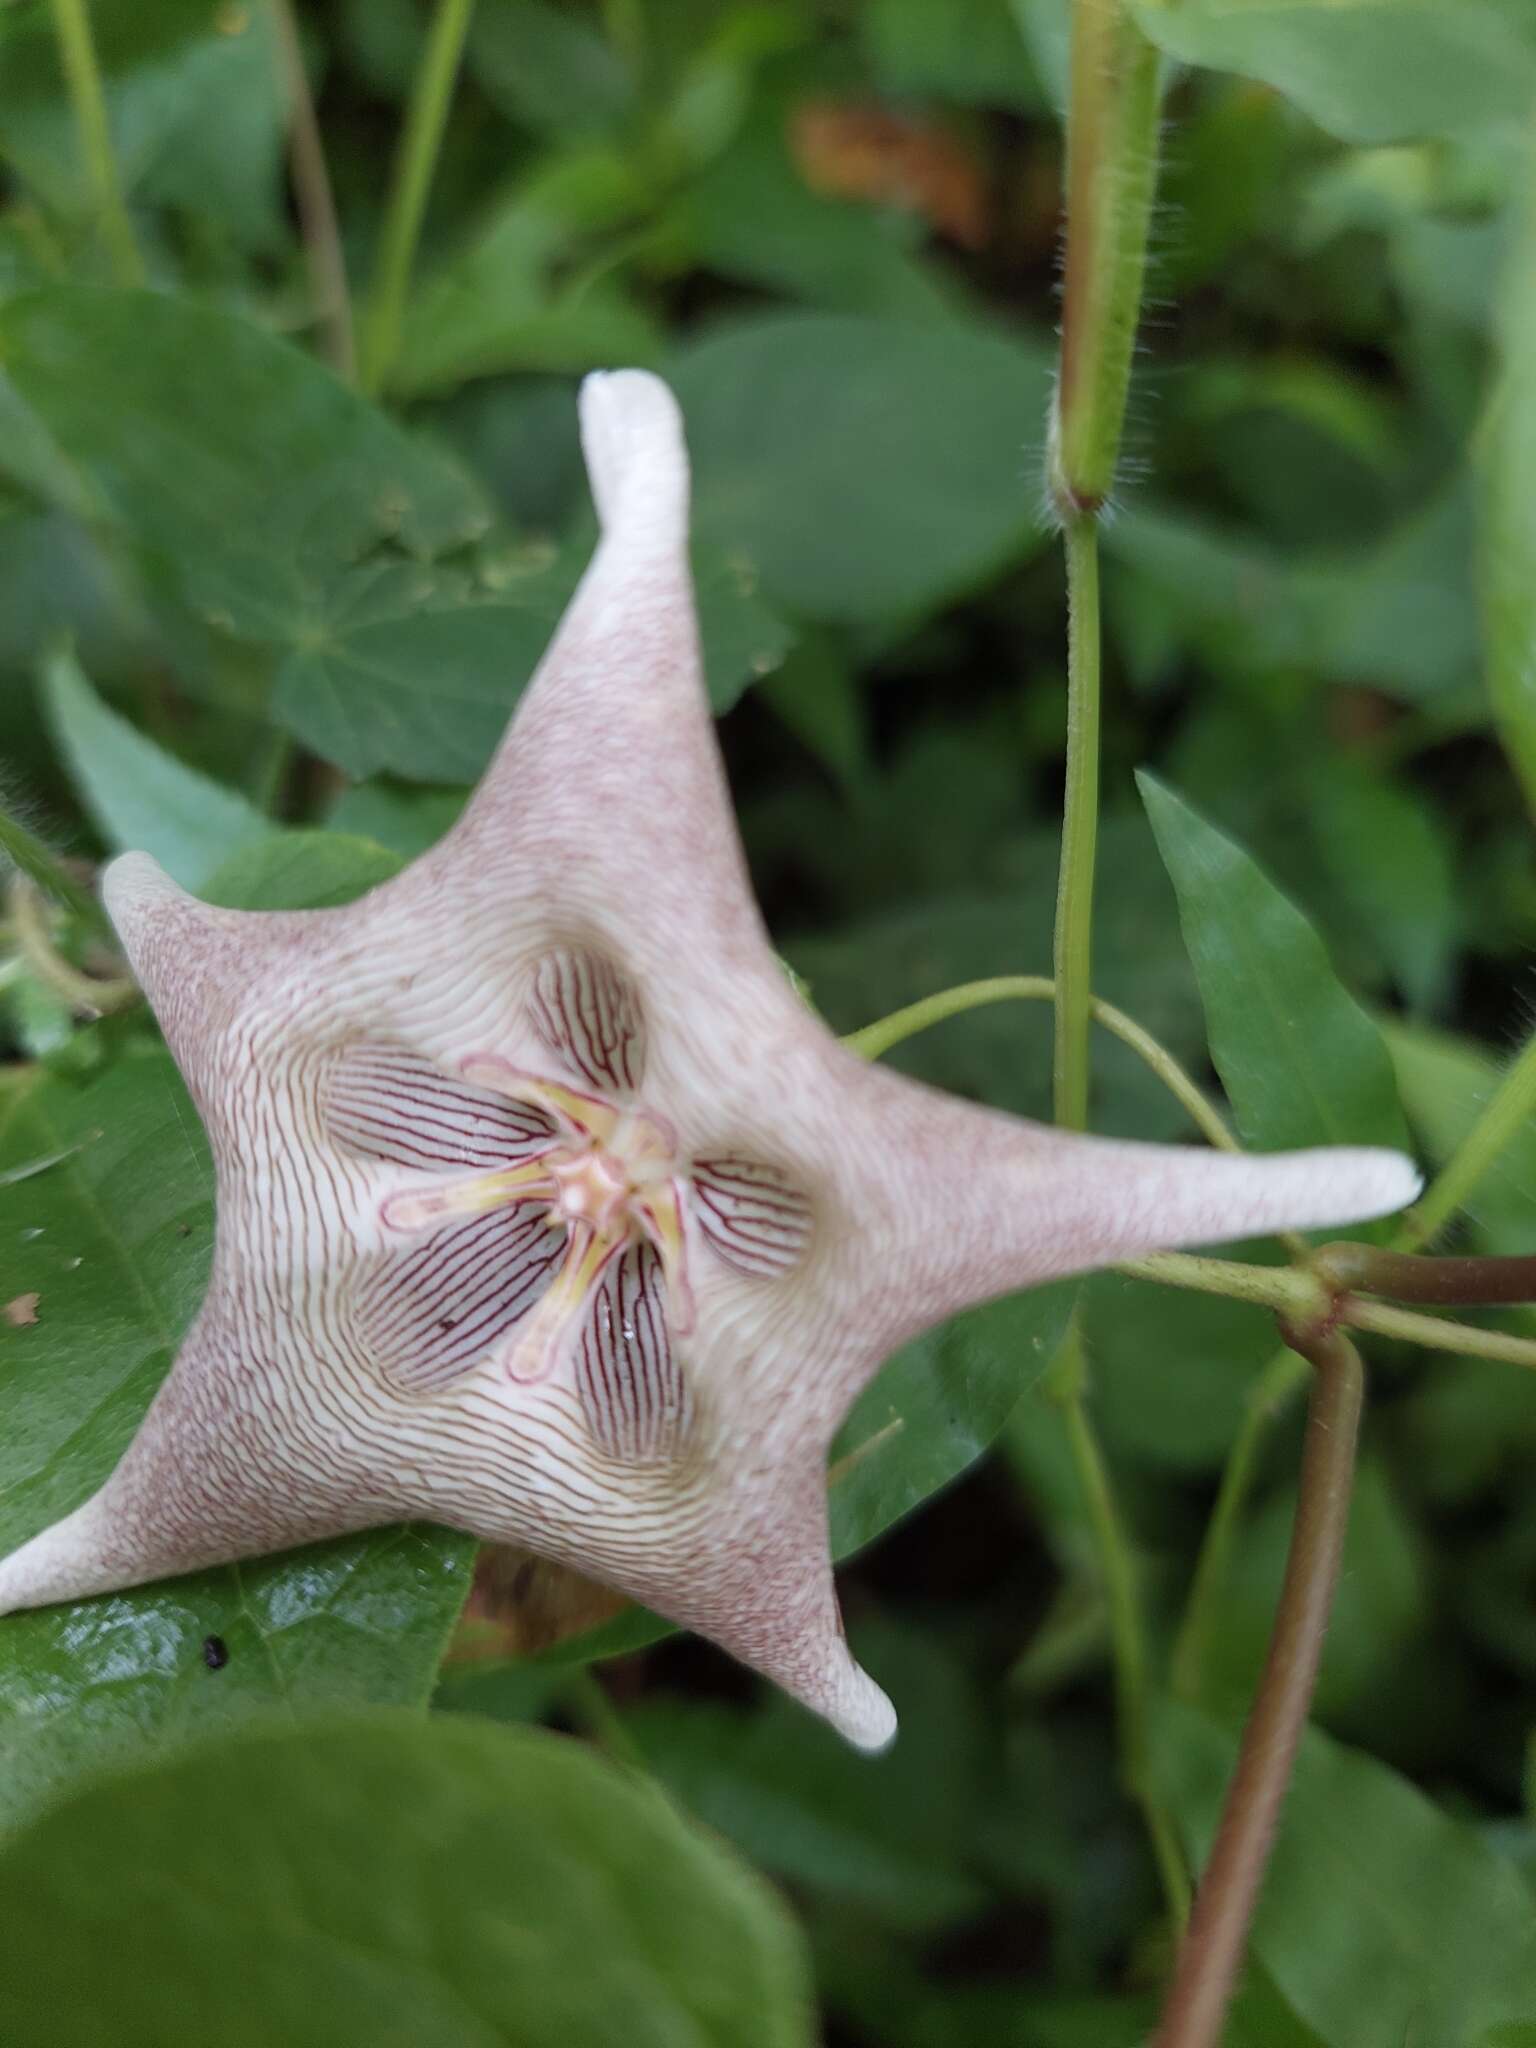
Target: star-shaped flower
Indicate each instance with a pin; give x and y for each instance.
(546, 1208)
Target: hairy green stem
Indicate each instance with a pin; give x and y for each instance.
(24, 851)
(1117, 1566)
(1079, 829)
(310, 176)
(1112, 134)
(82, 75)
(1212, 1950)
(425, 120)
(1510, 1108)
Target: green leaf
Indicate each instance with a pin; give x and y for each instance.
(1299, 1058)
(1367, 70)
(446, 1885)
(139, 796)
(248, 479)
(1398, 615)
(549, 70)
(193, 95)
(1382, 1920)
(972, 53)
(408, 672)
(888, 1833)
(312, 870)
(1379, 1615)
(1388, 860)
(1446, 1083)
(743, 638)
(1172, 1371)
(753, 217)
(935, 1407)
(1508, 508)
(114, 1237)
(421, 691)
(500, 303)
(881, 465)
(407, 820)
(1002, 1054)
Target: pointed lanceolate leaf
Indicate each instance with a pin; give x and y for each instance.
(139, 795)
(447, 1884)
(113, 1237)
(1300, 1060)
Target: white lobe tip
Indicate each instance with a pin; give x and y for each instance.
(1365, 1182)
(133, 888)
(875, 1729)
(862, 1714)
(632, 438)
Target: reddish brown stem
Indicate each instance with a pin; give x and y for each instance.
(1405, 1276)
(1212, 1951)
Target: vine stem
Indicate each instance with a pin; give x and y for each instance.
(85, 993)
(1212, 1950)
(1117, 1565)
(1070, 1072)
(1079, 828)
(878, 1038)
(1511, 1106)
(313, 196)
(425, 120)
(1302, 1294)
(82, 75)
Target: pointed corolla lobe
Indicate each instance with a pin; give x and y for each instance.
(547, 1210)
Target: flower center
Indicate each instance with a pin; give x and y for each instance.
(591, 1188)
(609, 1179)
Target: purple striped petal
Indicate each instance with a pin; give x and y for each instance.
(588, 1013)
(436, 1311)
(389, 1103)
(632, 1388)
(752, 1215)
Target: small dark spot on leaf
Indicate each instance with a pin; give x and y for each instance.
(183, 1230)
(447, 1323)
(215, 1652)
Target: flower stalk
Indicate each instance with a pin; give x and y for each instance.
(425, 120)
(82, 75)
(1510, 1108)
(316, 203)
(1212, 1950)
(1122, 1593)
(1079, 828)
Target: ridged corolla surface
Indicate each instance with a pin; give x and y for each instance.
(546, 1208)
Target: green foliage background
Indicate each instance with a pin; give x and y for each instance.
(270, 629)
